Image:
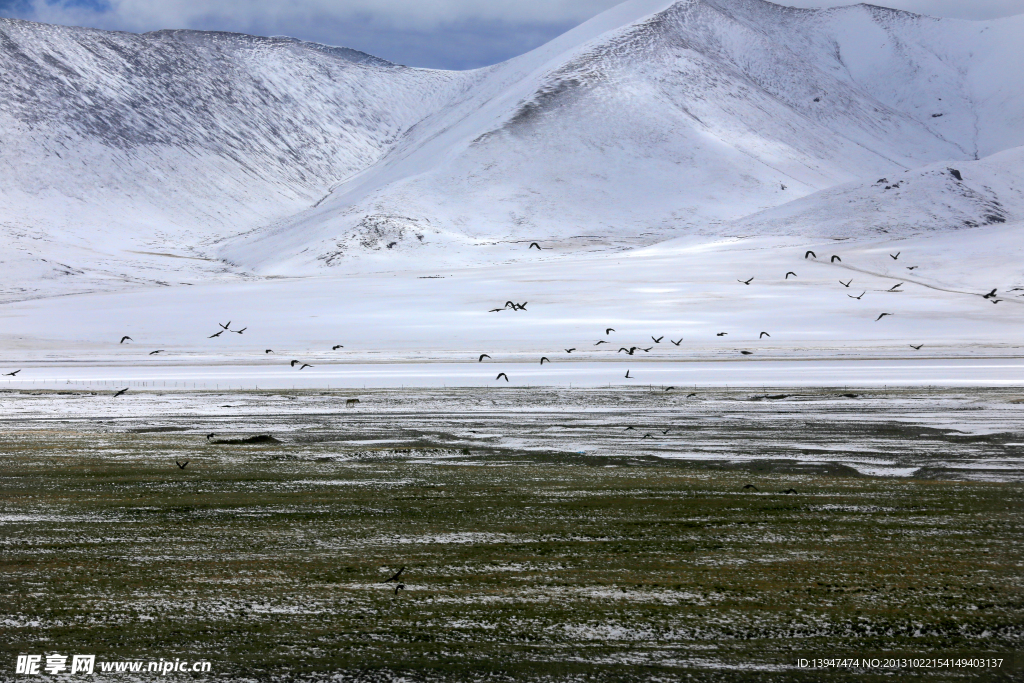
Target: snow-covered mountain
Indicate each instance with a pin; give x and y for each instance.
(182, 156)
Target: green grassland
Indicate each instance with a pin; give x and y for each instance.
(517, 566)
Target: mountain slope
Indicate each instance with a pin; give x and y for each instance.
(692, 114)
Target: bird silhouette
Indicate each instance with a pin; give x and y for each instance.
(857, 297)
(647, 350)
(608, 331)
(764, 334)
(500, 375)
(600, 342)
(497, 310)
(647, 436)
(304, 366)
(627, 375)
(790, 491)
(658, 340)
(510, 303)
(544, 358)
(911, 267)
(746, 282)
(522, 306)
(990, 294)
(339, 346)
(628, 428)
(846, 284)
(893, 288)
(916, 348)
(11, 374)
(747, 353)
(269, 351)
(570, 350)
(125, 338)
(226, 326)
(750, 486)
(629, 350)
(120, 392)
(882, 316)
(835, 258)
(481, 358)
(209, 436)
(240, 331)
(216, 335)
(153, 353)
(995, 301)
(532, 245)
(401, 586)
(295, 362)
(665, 431)
(395, 576)
(896, 255)
(790, 273)
(180, 465)
(669, 389)
(810, 253)
(721, 334)
(677, 343)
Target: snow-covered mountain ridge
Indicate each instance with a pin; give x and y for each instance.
(151, 158)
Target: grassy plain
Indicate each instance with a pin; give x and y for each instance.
(268, 559)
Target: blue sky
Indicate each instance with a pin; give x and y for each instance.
(448, 34)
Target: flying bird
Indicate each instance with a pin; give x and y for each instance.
(497, 310)
(810, 253)
(668, 389)
(677, 343)
(11, 374)
(882, 316)
(790, 273)
(750, 486)
(721, 334)
(209, 436)
(846, 284)
(896, 255)
(510, 303)
(226, 326)
(125, 338)
(608, 331)
(399, 587)
(658, 340)
(500, 375)
(628, 428)
(746, 282)
(790, 491)
(835, 258)
(240, 331)
(627, 375)
(481, 358)
(764, 334)
(120, 392)
(857, 297)
(647, 436)
(216, 335)
(911, 267)
(295, 362)
(570, 350)
(532, 245)
(269, 351)
(665, 431)
(647, 350)
(522, 306)
(153, 353)
(304, 366)
(395, 576)
(893, 288)
(544, 358)
(629, 350)
(747, 353)
(990, 294)
(600, 342)
(916, 348)
(180, 465)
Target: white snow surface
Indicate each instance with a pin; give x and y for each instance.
(157, 185)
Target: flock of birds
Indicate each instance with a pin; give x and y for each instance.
(631, 350)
